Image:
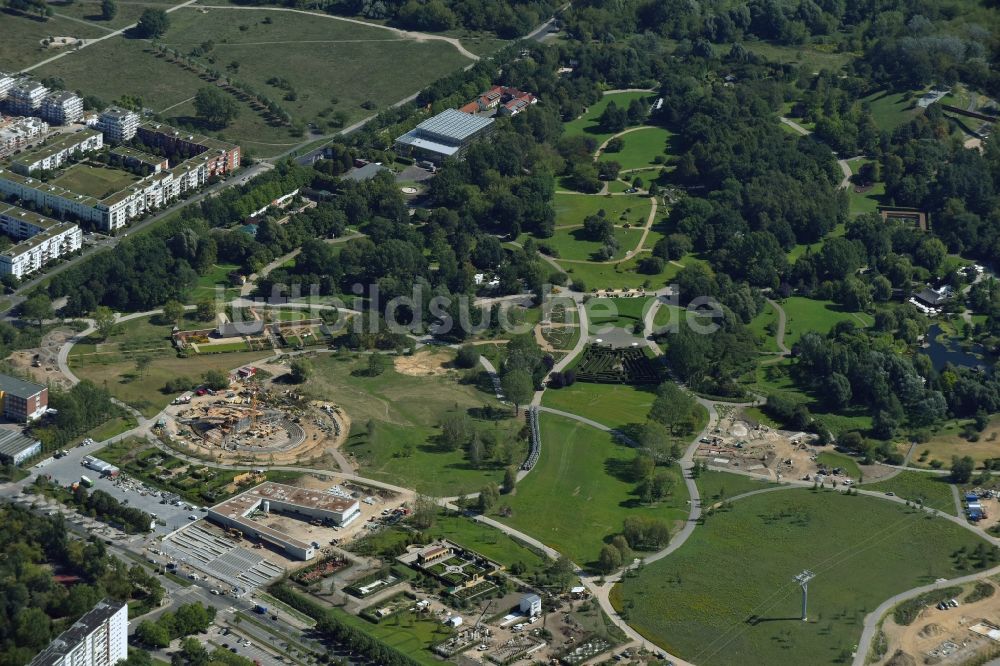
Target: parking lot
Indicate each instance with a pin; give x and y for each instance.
(68, 469)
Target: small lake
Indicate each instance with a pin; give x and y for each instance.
(947, 350)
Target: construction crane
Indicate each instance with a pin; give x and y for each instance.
(483, 614)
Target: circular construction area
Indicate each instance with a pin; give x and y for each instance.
(258, 424)
(408, 190)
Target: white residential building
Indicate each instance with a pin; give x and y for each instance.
(42, 240)
(15, 133)
(6, 83)
(56, 152)
(62, 108)
(25, 97)
(119, 125)
(99, 638)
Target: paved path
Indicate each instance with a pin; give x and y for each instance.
(630, 253)
(779, 336)
(416, 36)
(583, 419)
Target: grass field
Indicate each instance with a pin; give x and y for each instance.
(699, 602)
(573, 208)
(402, 413)
(588, 124)
(90, 10)
(932, 489)
(641, 147)
(619, 312)
(613, 405)
(714, 486)
(577, 495)
(573, 243)
(208, 283)
(759, 325)
(812, 57)
(487, 541)
(94, 181)
(865, 202)
(331, 66)
(947, 442)
(21, 37)
(145, 392)
(774, 378)
(407, 632)
(892, 109)
(805, 314)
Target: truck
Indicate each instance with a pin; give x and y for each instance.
(86, 482)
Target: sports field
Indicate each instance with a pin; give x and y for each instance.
(328, 66)
(395, 424)
(579, 492)
(588, 124)
(94, 181)
(727, 595)
(640, 148)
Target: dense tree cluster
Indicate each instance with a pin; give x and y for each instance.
(36, 607)
(188, 619)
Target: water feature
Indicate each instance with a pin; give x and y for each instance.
(946, 350)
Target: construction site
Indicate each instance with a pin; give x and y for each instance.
(256, 422)
(739, 443)
(956, 634)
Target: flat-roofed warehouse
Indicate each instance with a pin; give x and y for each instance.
(15, 447)
(235, 513)
(448, 134)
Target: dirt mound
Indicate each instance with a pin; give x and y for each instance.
(930, 630)
(901, 659)
(423, 364)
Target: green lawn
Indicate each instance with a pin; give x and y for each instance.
(21, 37)
(934, 490)
(487, 541)
(892, 109)
(833, 460)
(208, 283)
(613, 405)
(620, 312)
(865, 202)
(573, 208)
(322, 59)
(812, 57)
(812, 248)
(624, 274)
(774, 378)
(641, 147)
(577, 495)
(759, 325)
(94, 181)
(410, 634)
(574, 244)
(716, 486)
(395, 425)
(805, 314)
(727, 595)
(588, 124)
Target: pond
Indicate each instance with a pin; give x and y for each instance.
(942, 349)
